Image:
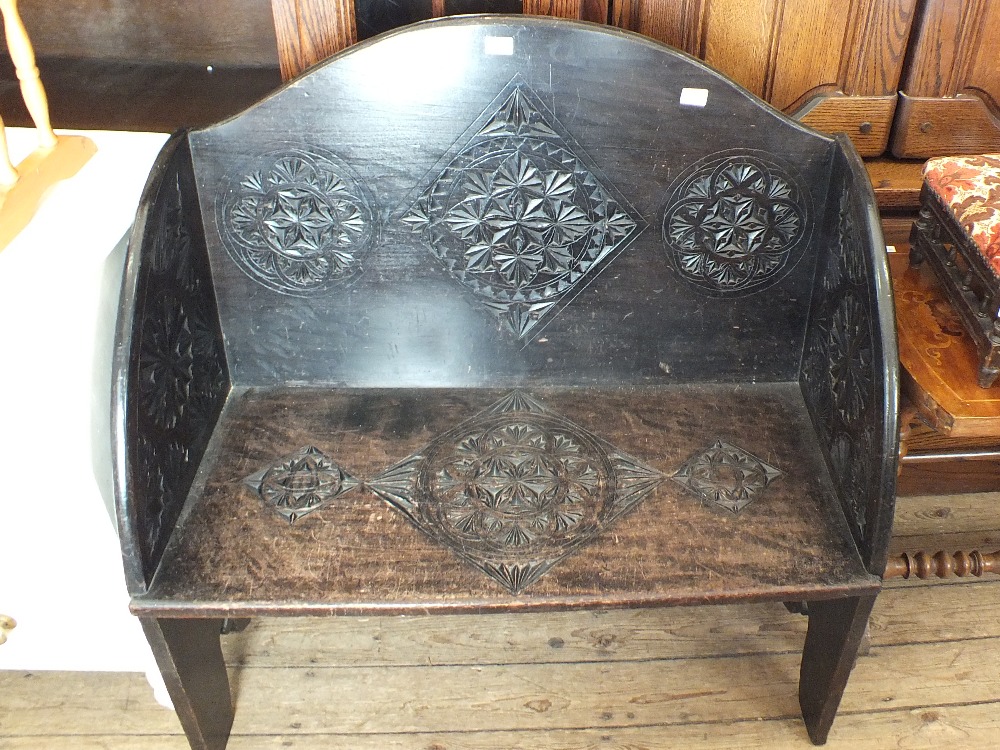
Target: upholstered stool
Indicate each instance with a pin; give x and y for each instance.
(959, 233)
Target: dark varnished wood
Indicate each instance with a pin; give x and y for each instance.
(498, 342)
(359, 555)
(836, 632)
(189, 655)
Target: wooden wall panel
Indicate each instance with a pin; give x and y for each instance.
(740, 38)
(833, 63)
(586, 10)
(308, 32)
(950, 96)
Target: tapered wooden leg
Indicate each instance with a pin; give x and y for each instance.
(836, 628)
(189, 655)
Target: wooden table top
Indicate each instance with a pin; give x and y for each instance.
(939, 360)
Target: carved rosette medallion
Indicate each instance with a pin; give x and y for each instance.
(736, 224)
(726, 476)
(298, 484)
(839, 367)
(516, 489)
(519, 215)
(298, 222)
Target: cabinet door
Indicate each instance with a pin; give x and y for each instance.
(834, 64)
(950, 97)
(310, 30)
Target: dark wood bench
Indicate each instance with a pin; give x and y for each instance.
(503, 314)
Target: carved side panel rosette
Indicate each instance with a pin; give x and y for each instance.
(300, 483)
(519, 215)
(726, 476)
(516, 489)
(839, 368)
(179, 368)
(736, 224)
(297, 221)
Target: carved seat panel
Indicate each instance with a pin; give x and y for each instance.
(504, 314)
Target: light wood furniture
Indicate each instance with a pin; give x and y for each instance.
(834, 65)
(357, 375)
(308, 31)
(948, 101)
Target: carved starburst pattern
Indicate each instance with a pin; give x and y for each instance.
(166, 363)
(519, 216)
(735, 224)
(298, 484)
(851, 358)
(727, 476)
(515, 489)
(298, 222)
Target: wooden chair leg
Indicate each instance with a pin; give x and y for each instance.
(189, 655)
(836, 629)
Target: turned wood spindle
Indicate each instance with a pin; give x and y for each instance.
(23, 55)
(8, 175)
(942, 565)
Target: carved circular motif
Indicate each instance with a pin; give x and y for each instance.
(736, 224)
(299, 223)
(530, 486)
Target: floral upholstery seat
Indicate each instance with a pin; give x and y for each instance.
(970, 187)
(959, 232)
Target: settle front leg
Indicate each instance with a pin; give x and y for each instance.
(836, 628)
(189, 655)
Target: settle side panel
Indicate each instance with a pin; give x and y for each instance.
(850, 364)
(171, 374)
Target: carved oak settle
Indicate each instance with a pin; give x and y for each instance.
(412, 334)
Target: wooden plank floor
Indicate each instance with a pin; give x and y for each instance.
(701, 677)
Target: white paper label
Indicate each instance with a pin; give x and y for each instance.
(499, 45)
(694, 97)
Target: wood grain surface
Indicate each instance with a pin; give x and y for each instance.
(232, 553)
(836, 70)
(951, 87)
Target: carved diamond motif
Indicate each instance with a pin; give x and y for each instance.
(735, 224)
(516, 489)
(298, 484)
(298, 222)
(727, 476)
(519, 215)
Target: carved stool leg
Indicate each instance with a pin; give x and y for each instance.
(836, 629)
(189, 655)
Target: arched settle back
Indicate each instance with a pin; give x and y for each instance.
(442, 207)
(471, 294)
